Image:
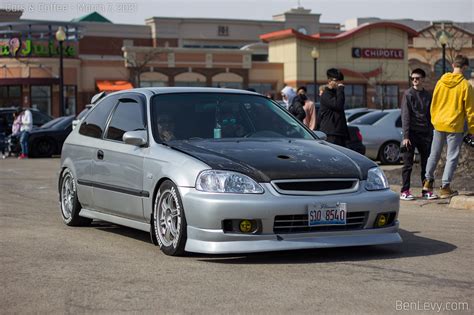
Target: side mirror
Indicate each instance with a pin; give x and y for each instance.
(321, 135)
(137, 138)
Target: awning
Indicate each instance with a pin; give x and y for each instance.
(111, 86)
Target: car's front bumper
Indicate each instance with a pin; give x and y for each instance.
(205, 213)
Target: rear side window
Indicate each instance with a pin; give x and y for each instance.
(369, 119)
(94, 124)
(40, 118)
(128, 116)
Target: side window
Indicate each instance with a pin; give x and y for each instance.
(398, 123)
(94, 124)
(39, 118)
(128, 116)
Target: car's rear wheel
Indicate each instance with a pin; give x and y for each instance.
(70, 206)
(390, 153)
(169, 221)
(43, 147)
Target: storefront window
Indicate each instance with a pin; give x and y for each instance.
(262, 88)
(41, 98)
(438, 68)
(190, 84)
(355, 96)
(310, 93)
(152, 83)
(70, 100)
(10, 95)
(386, 96)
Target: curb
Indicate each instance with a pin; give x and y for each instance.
(462, 202)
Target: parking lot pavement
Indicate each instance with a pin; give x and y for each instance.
(48, 267)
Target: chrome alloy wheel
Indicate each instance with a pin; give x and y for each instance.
(169, 213)
(68, 193)
(391, 152)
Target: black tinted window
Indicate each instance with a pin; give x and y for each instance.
(40, 118)
(128, 116)
(94, 124)
(398, 123)
(369, 119)
(194, 116)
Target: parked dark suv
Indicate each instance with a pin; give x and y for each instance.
(6, 114)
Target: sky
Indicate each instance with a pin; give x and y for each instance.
(334, 11)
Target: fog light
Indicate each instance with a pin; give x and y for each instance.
(381, 220)
(245, 226)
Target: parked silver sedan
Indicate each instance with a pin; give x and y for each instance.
(381, 134)
(220, 171)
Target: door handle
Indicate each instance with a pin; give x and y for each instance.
(100, 155)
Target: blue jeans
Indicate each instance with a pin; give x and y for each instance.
(24, 142)
(454, 141)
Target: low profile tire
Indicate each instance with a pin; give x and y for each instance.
(390, 153)
(69, 204)
(168, 220)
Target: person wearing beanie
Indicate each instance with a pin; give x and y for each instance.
(332, 120)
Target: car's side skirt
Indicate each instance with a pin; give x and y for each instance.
(91, 214)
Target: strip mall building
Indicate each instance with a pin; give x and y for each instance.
(263, 55)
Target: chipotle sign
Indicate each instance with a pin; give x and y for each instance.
(377, 53)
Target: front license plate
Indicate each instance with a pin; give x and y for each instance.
(322, 214)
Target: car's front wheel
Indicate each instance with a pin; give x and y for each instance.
(70, 206)
(169, 221)
(390, 153)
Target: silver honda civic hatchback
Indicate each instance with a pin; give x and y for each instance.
(212, 170)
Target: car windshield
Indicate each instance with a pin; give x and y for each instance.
(194, 116)
(51, 123)
(369, 119)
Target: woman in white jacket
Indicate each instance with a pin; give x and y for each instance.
(26, 125)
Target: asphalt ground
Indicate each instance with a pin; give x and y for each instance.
(47, 267)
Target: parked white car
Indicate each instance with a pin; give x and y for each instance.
(382, 134)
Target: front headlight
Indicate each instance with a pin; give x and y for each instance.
(376, 180)
(227, 182)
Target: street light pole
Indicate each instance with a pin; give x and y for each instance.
(443, 40)
(60, 37)
(315, 55)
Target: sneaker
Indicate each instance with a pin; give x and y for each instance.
(406, 195)
(447, 192)
(22, 156)
(3, 156)
(428, 195)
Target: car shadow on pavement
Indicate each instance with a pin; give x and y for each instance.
(413, 246)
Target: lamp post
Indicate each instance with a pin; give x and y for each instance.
(315, 55)
(443, 40)
(61, 37)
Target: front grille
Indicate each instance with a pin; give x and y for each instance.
(298, 223)
(315, 186)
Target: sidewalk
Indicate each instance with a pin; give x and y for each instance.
(465, 200)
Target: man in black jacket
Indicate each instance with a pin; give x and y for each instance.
(332, 119)
(417, 131)
(297, 107)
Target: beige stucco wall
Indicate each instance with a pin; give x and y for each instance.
(285, 51)
(298, 63)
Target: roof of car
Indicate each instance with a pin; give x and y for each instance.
(165, 90)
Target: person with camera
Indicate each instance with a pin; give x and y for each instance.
(417, 132)
(332, 119)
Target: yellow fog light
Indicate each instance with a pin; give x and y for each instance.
(245, 226)
(382, 220)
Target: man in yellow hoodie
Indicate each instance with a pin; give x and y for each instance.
(452, 105)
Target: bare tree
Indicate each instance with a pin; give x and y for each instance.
(138, 64)
(383, 77)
